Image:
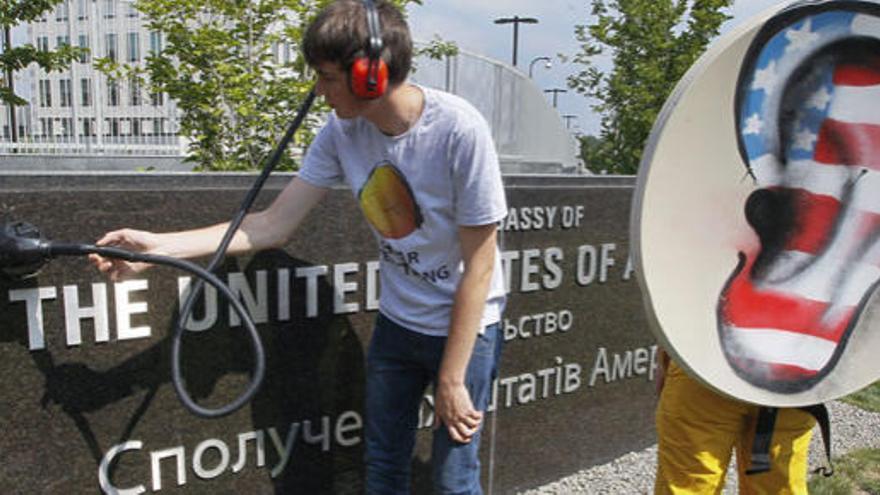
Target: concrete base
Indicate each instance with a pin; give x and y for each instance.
(93, 163)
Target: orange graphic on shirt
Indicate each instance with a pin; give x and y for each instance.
(388, 203)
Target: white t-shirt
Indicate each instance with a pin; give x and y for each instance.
(415, 189)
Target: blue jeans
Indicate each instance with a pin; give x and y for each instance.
(400, 365)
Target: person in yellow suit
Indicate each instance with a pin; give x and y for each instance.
(698, 429)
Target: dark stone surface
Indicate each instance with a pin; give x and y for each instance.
(66, 405)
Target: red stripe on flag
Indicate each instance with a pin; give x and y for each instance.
(816, 214)
(866, 73)
(788, 372)
(776, 371)
(843, 143)
(746, 306)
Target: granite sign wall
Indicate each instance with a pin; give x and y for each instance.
(84, 363)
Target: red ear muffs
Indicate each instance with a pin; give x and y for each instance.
(369, 74)
(369, 77)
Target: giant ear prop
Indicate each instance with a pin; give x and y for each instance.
(756, 220)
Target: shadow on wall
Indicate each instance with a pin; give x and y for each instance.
(315, 369)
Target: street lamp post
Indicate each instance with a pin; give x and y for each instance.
(516, 20)
(10, 83)
(538, 59)
(555, 92)
(568, 119)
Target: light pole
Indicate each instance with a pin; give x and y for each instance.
(555, 92)
(10, 83)
(568, 119)
(516, 20)
(538, 59)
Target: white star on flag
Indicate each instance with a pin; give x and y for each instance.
(800, 39)
(766, 78)
(804, 139)
(753, 125)
(819, 100)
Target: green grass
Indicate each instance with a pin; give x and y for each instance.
(868, 398)
(858, 472)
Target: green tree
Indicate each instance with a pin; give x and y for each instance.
(12, 60)
(216, 62)
(437, 48)
(589, 149)
(651, 44)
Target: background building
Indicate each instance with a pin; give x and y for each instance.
(80, 119)
(81, 111)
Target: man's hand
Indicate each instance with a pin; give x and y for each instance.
(455, 411)
(128, 239)
(452, 402)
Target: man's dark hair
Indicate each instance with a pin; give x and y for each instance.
(340, 34)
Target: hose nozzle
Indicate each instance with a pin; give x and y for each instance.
(23, 252)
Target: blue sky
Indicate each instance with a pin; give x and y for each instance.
(470, 24)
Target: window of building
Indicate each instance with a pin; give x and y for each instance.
(136, 98)
(62, 13)
(82, 9)
(136, 127)
(109, 9)
(43, 43)
(62, 41)
(66, 92)
(84, 44)
(86, 92)
(67, 126)
(155, 42)
(45, 93)
(134, 47)
(46, 127)
(110, 41)
(157, 99)
(112, 126)
(112, 93)
(159, 127)
(132, 11)
(86, 127)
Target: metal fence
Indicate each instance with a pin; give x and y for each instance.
(529, 133)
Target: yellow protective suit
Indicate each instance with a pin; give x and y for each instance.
(697, 429)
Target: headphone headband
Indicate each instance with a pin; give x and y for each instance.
(369, 74)
(374, 44)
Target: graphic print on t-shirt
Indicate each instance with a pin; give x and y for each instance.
(388, 202)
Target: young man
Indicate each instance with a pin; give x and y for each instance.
(423, 167)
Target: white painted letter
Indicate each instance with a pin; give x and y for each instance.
(125, 308)
(33, 299)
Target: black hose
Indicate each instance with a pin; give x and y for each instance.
(260, 366)
(54, 249)
(51, 249)
(22, 251)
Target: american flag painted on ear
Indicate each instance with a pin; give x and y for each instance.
(808, 110)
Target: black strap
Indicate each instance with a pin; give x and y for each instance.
(763, 436)
(374, 45)
(820, 413)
